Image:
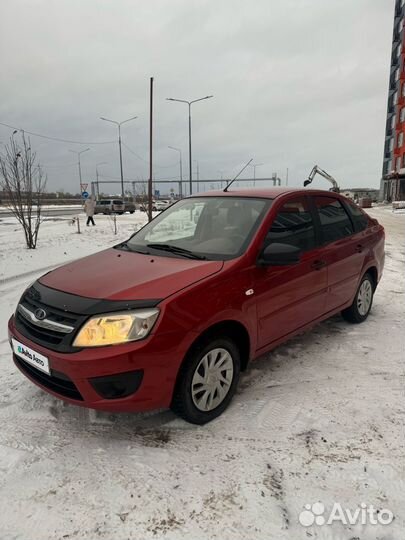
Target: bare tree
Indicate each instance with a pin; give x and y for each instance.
(144, 199)
(23, 184)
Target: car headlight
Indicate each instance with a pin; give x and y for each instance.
(114, 328)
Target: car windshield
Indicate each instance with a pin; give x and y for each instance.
(215, 228)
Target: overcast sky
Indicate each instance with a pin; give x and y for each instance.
(295, 82)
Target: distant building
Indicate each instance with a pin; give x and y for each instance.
(357, 193)
(393, 174)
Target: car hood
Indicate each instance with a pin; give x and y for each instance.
(121, 275)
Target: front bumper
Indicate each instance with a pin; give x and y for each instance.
(134, 376)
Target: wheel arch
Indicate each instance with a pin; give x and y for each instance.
(372, 270)
(233, 329)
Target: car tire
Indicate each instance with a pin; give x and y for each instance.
(191, 400)
(132, 212)
(363, 300)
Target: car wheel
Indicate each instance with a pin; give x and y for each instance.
(132, 211)
(207, 380)
(363, 300)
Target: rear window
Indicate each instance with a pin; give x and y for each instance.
(359, 217)
(117, 202)
(335, 221)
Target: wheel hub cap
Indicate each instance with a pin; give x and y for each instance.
(212, 379)
(364, 297)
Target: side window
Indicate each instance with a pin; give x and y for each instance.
(359, 218)
(335, 222)
(293, 225)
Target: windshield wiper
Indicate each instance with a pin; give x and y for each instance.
(176, 249)
(127, 247)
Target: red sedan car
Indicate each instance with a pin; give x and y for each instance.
(170, 317)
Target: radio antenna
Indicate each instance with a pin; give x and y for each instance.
(239, 173)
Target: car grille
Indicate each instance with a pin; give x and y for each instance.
(57, 382)
(47, 332)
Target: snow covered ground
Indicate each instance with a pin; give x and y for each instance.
(319, 419)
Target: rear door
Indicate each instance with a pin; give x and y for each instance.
(343, 250)
(289, 297)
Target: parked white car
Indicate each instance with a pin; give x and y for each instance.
(157, 206)
(161, 204)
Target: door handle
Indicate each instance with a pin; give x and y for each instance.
(359, 248)
(318, 264)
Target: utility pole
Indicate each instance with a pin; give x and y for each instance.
(150, 151)
(286, 178)
(190, 161)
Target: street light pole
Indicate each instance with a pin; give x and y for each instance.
(222, 176)
(119, 124)
(97, 184)
(254, 165)
(121, 169)
(80, 173)
(181, 171)
(190, 161)
(78, 162)
(198, 174)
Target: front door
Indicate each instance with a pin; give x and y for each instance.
(289, 297)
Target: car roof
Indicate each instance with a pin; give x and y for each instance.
(263, 193)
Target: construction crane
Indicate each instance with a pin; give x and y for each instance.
(321, 172)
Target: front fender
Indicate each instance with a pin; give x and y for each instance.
(214, 300)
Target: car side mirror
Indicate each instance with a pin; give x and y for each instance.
(277, 254)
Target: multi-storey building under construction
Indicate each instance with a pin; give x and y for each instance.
(393, 174)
